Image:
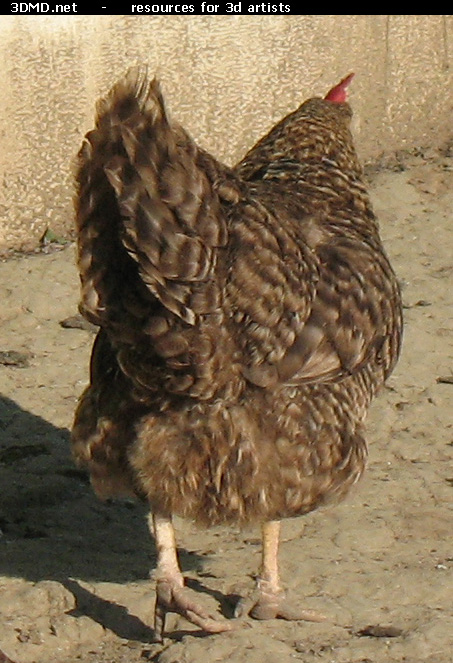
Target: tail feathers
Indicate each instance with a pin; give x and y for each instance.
(147, 193)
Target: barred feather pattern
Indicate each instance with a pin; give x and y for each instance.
(248, 315)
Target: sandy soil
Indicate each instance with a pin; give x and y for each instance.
(74, 572)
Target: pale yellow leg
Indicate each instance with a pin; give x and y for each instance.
(171, 596)
(272, 602)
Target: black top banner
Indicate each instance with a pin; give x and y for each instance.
(135, 7)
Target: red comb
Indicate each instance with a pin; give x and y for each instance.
(338, 93)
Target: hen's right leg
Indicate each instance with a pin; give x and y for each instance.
(272, 602)
(171, 596)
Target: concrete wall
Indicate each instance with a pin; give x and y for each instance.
(226, 78)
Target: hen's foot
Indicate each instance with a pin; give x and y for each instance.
(273, 604)
(171, 597)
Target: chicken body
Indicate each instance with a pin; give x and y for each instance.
(247, 318)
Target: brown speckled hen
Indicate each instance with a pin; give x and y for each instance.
(247, 318)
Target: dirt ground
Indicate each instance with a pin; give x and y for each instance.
(74, 572)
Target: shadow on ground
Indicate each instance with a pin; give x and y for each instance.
(54, 528)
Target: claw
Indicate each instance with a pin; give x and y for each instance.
(274, 605)
(172, 598)
(284, 610)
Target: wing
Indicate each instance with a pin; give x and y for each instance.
(310, 306)
(322, 301)
(355, 318)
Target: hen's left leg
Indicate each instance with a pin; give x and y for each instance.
(171, 596)
(272, 602)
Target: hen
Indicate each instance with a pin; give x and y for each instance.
(247, 318)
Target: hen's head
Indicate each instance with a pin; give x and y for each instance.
(318, 130)
(338, 94)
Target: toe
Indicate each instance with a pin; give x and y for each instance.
(171, 598)
(264, 610)
(273, 606)
(268, 603)
(294, 613)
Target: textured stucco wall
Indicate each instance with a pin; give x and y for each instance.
(227, 79)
